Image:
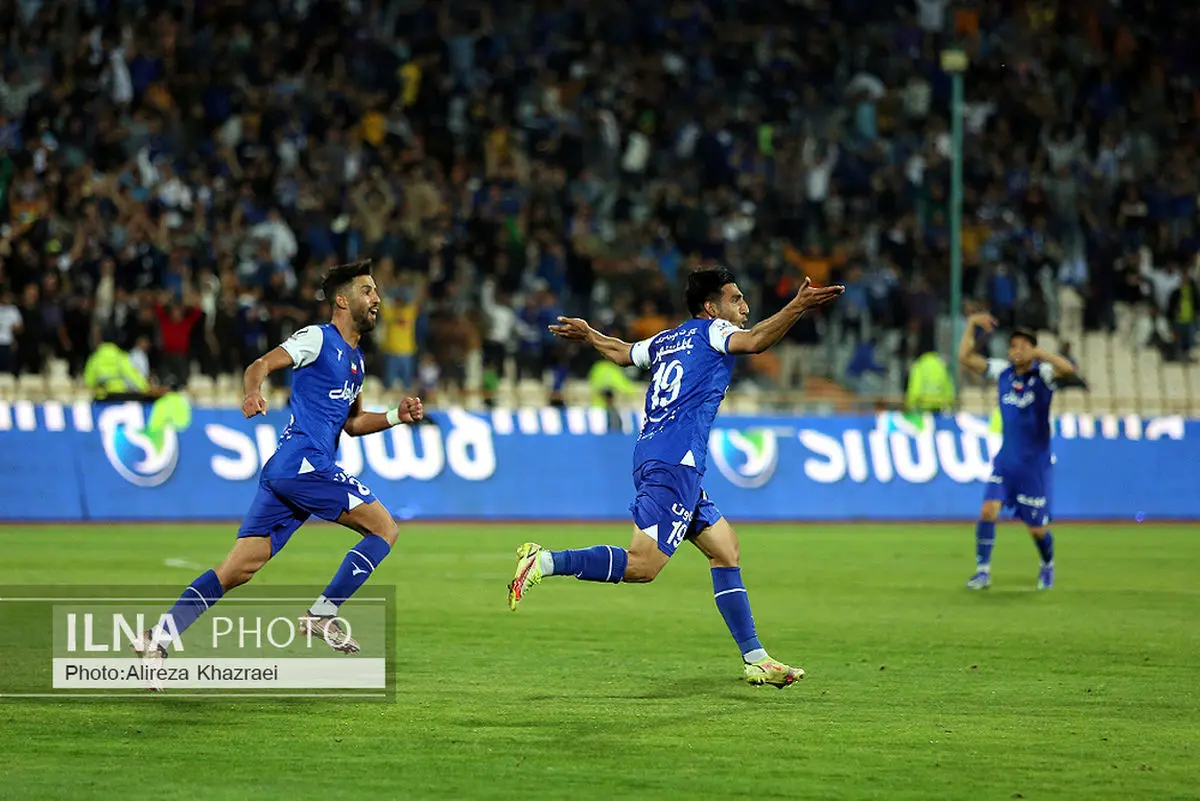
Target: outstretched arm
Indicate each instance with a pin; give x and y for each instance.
(612, 348)
(361, 423)
(967, 357)
(766, 333)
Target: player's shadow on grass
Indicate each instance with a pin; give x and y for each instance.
(715, 688)
(1002, 594)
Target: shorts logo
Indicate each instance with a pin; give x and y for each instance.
(143, 456)
(746, 458)
(1028, 500)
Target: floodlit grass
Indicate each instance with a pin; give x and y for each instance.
(916, 687)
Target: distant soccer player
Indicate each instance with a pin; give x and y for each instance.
(692, 367)
(302, 479)
(1021, 471)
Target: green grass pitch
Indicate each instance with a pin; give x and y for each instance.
(916, 688)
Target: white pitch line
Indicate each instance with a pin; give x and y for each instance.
(182, 563)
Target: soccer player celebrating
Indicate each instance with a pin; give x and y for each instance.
(1021, 472)
(302, 479)
(692, 367)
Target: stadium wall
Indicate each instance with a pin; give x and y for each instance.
(94, 463)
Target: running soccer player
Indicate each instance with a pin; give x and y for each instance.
(302, 478)
(1021, 472)
(692, 367)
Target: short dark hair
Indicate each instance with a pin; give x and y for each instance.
(340, 277)
(1023, 333)
(706, 285)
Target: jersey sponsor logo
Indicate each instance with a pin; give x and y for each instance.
(346, 392)
(1020, 401)
(679, 347)
(140, 455)
(747, 458)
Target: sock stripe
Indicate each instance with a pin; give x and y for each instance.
(198, 595)
(610, 562)
(726, 592)
(368, 561)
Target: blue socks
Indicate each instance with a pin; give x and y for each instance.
(1045, 546)
(202, 593)
(985, 539)
(734, 605)
(607, 563)
(356, 568)
(598, 563)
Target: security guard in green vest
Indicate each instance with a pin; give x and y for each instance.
(111, 375)
(930, 386)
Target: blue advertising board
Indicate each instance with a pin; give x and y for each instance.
(97, 462)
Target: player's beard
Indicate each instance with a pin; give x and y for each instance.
(364, 322)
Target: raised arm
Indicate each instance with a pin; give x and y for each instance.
(1062, 367)
(615, 350)
(766, 333)
(967, 357)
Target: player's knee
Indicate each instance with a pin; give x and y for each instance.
(729, 556)
(388, 530)
(247, 558)
(235, 573)
(989, 512)
(640, 571)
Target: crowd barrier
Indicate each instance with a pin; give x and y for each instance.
(95, 462)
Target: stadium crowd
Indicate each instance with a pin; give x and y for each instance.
(175, 176)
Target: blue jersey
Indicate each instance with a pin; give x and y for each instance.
(1025, 414)
(692, 368)
(328, 378)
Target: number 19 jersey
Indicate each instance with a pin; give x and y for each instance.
(691, 373)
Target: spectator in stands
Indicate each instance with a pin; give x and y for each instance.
(596, 156)
(33, 336)
(139, 357)
(10, 327)
(499, 340)
(863, 373)
(400, 310)
(176, 320)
